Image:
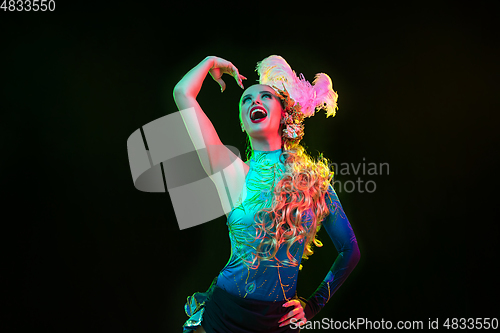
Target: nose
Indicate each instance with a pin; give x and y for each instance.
(256, 101)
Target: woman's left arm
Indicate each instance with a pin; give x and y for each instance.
(340, 231)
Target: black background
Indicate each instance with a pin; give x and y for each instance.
(84, 251)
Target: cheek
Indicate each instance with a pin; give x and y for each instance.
(278, 110)
(239, 115)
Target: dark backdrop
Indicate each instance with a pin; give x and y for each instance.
(84, 251)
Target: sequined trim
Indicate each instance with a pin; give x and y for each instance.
(195, 307)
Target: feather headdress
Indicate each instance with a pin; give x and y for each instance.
(277, 73)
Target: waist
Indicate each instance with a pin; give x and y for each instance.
(268, 287)
(225, 312)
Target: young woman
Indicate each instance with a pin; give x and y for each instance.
(285, 196)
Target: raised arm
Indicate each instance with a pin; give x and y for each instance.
(187, 89)
(199, 125)
(340, 231)
(225, 168)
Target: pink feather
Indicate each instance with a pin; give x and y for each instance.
(275, 71)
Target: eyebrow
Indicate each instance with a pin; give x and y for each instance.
(264, 91)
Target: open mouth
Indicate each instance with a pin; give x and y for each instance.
(258, 114)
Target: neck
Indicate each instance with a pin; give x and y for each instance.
(266, 144)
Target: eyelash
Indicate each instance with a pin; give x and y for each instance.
(247, 98)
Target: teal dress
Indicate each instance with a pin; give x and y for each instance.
(272, 281)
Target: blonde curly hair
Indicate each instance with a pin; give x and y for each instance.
(302, 188)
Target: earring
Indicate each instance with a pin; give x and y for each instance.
(242, 128)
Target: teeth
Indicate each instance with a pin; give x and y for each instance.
(254, 113)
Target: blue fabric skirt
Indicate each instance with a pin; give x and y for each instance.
(220, 312)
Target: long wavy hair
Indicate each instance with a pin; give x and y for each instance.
(306, 180)
(302, 188)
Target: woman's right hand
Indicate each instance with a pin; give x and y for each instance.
(221, 66)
